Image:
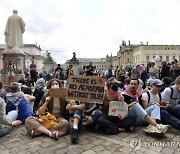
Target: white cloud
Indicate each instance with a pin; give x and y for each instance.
(94, 28)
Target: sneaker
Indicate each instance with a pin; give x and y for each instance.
(152, 130)
(34, 133)
(54, 135)
(162, 127)
(74, 136)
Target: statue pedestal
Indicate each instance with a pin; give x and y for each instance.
(18, 58)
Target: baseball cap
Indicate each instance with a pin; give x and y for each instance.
(157, 82)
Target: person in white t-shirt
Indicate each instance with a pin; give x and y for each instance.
(151, 100)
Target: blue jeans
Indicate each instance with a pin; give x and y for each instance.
(137, 111)
(11, 116)
(31, 107)
(153, 111)
(93, 118)
(171, 117)
(111, 126)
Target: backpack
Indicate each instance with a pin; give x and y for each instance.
(140, 99)
(109, 72)
(22, 108)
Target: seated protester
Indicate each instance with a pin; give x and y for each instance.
(55, 106)
(140, 88)
(3, 94)
(148, 85)
(30, 99)
(16, 101)
(170, 106)
(78, 116)
(166, 83)
(27, 80)
(39, 91)
(131, 97)
(114, 124)
(126, 83)
(9, 120)
(151, 101)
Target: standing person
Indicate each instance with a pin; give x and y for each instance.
(9, 120)
(33, 72)
(69, 71)
(110, 72)
(58, 72)
(176, 68)
(165, 70)
(15, 27)
(11, 72)
(153, 72)
(121, 74)
(170, 105)
(89, 69)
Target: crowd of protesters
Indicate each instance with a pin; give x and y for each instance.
(152, 95)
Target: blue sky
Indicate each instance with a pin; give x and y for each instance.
(93, 28)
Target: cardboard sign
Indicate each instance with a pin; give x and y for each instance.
(118, 108)
(86, 88)
(60, 92)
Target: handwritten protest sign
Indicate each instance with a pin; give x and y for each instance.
(118, 108)
(86, 88)
(61, 92)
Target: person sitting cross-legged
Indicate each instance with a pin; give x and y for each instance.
(9, 120)
(55, 106)
(114, 124)
(16, 102)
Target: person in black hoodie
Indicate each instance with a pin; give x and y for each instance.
(165, 70)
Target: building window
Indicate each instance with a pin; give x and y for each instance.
(174, 57)
(167, 58)
(147, 59)
(160, 58)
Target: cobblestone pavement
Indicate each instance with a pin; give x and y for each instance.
(90, 143)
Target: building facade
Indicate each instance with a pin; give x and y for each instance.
(133, 54)
(100, 63)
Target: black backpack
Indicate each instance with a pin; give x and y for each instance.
(140, 99)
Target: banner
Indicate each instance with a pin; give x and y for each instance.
(118, 108)
(86, 88)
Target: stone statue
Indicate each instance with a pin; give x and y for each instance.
(15, 27)
(74, 56)
(157, 61)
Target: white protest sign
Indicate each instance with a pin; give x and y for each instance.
(118, 108)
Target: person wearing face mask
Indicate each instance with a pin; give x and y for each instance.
(170, 105)
(55, 106)
(114, 124)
